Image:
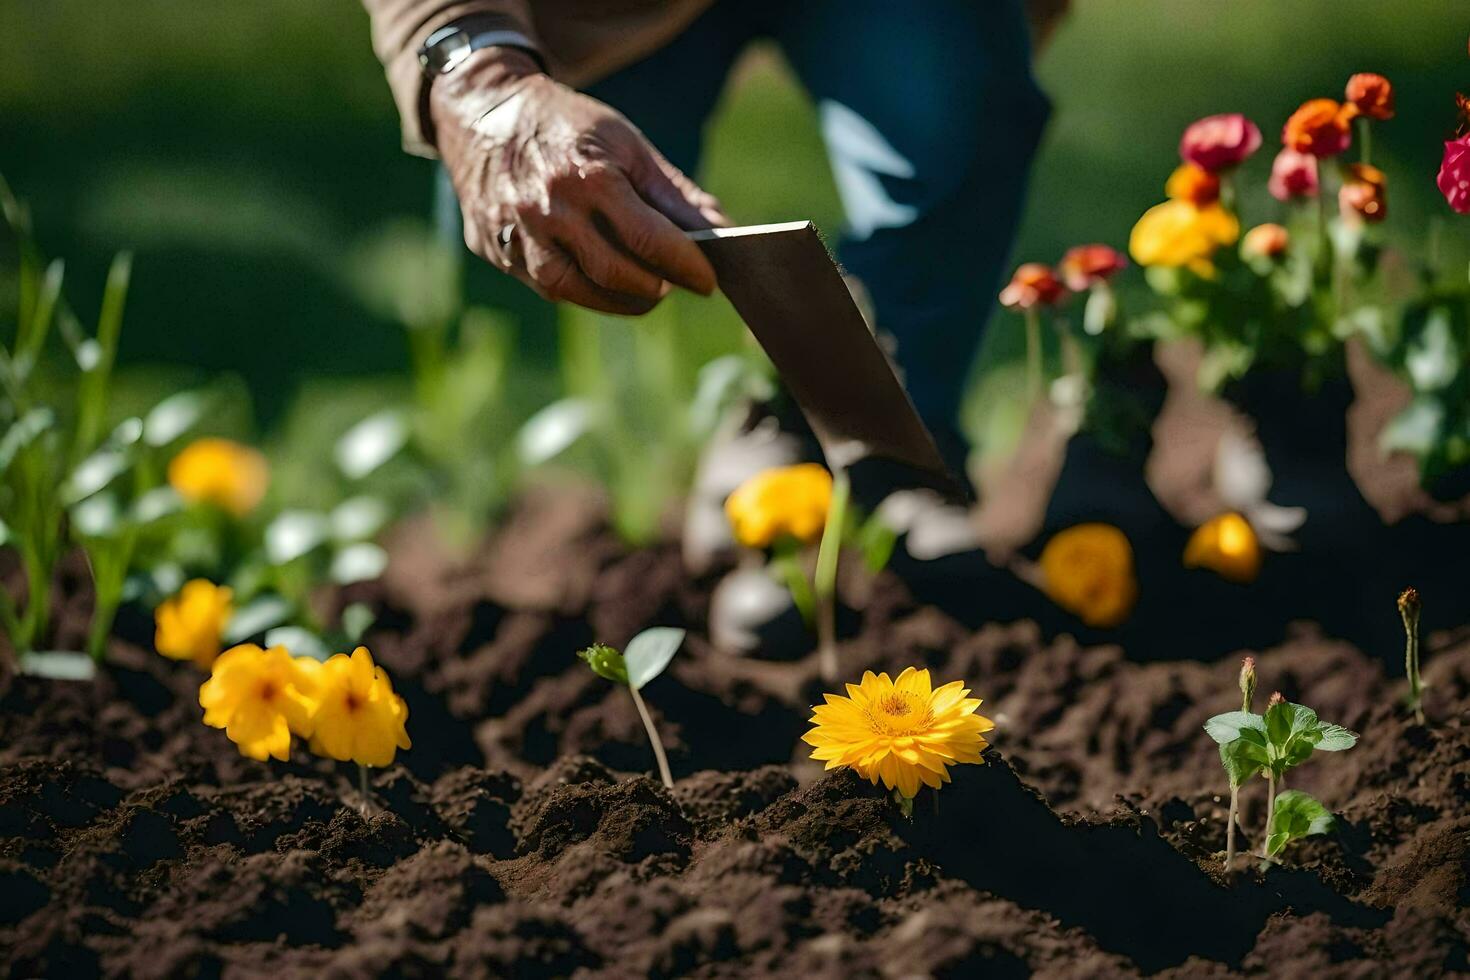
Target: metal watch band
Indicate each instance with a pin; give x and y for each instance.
(444, 49)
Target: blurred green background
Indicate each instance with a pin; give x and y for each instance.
(248, 153)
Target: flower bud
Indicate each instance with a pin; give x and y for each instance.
(1247, 682)
(1409, 606)
(1193, 183)
(1276, 698)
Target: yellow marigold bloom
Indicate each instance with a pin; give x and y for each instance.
(1180, 234)
(220, 472)
(190, 624)
(900, 731)
(1226, 545)
(1088, 570)
(260, 698)
(359, 718)
(787, 500)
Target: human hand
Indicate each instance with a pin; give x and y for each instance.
(563, 192)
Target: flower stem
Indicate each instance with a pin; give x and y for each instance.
(365, 805)
(1270, 810)
(1033, 355)
(654, 740)
(1365, 140)
(1230, 827)
(1411, 669)
(824, 579)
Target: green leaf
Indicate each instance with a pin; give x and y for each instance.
(648, 653)
(26, 430)
(359, 518)
(1296, 815)
(257, 616)
(1417, 429)
(94, 473)
(59, 665)
(553, 430)
(605, 662)
(173, 417)
(1432, 358)
(99, 516)
(298, 641)
(356, 620)
(360, 562)
(1335, 738)
(294, 533)
(1239, 762)
(155, 505)
(1227, 727)
(371, 443)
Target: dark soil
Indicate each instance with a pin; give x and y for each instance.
(522, 836)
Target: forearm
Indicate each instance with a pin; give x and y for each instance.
(400, 28)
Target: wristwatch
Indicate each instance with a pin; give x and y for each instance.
(444, 49)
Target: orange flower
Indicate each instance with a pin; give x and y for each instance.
(1089, 265)
(1371, 95)
(1265, 241)
(1320, 127)
(1364, 193)
(1087, 569)
(1034, 284)
(1193, 183)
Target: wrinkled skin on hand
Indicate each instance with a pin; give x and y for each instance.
(563, 192)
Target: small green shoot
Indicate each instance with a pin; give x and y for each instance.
(645, 657)
(1296, 815)
(1409, 608)
(1270, 744)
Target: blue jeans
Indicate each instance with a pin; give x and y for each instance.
(931, 118)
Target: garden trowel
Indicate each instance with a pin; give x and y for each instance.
(785, 286)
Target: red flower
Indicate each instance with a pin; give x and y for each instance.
(1371, 94)
(1320, 127)
(1034, 284)
(1454, 174)
(1293, 175)
(1363, 194)
(1216, 143)
(1088, 265)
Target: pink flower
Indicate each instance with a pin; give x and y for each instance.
(1215, 143)
(1293, 175)
(1454, 174)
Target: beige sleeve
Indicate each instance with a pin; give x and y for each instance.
(399, 30)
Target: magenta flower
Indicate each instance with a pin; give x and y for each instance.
(1454, 174)
(1216, 143)
(1293, 175)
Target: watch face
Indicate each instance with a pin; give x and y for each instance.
(444, 49)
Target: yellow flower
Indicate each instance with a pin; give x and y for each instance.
(1088, 570)
(900, 731)
(220, 472)
(787, 500)
(1179, 233)
(359, 718)
(1226, 545)
(190, 624)
(260, 698)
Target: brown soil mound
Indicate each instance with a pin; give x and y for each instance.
(521, 836)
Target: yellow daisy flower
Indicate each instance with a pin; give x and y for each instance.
(901, 731)
(1181, 233)
(359, 718)
(190, 624)
(260, 698)
(220, 472)
(784, 501)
